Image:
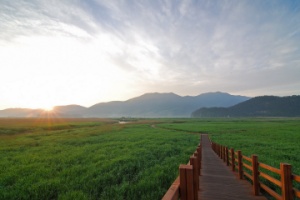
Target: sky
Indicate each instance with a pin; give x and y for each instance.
(55, 52)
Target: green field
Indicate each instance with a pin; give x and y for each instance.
(102, 159)
(89, 159)
(273, 140)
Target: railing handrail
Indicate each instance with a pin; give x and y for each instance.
(186, 185)
(235, 159)
(173, 191)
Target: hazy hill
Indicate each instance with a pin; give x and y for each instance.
(162, 105)
(147, 105)
(58, 111)
(20, 112)
(69, 111)
(264, 106)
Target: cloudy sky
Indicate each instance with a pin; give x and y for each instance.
(55, 52)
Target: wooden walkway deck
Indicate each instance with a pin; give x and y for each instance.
(218, 182)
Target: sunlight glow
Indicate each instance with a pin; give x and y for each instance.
(48, 109)
(86, 52)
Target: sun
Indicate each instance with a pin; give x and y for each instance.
(48, 109)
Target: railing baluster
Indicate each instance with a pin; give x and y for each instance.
(255, 175)
(240, 164)
(186, 182)
(227, 156)
(194, 163)
(286, 180)
(186, 186)
(232, 159)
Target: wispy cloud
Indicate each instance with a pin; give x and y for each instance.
(187, 47)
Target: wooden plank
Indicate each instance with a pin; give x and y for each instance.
(296, 178)
(240, 164)
(272, 169)
(286, 180)
(173, 191)
(255, 174)
(218, 182)
(183, 183)
(194, 163)
(247, 166)
(270, 191)
(227, 156)
(247, 158)
(270, 178)
(248, 176)
(232, 159)
(296, 192)
(190, 182)
(199, 158)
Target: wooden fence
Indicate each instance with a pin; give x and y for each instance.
(186, 184)
(255, 171)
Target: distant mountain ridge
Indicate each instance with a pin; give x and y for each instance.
(162, 105)
(263, 106)
(148, 105)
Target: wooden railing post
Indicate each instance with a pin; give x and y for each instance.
(227, 156)
(240, 164)
(286, 181)
(224, 154)
(199, 151)
(224, 157)
(186, 182)
(232, 159)
(200, 139)
(183, 182)
(197, 160)
(194, 163)
(221, 151)
(255, 175)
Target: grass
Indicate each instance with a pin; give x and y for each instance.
(89, 159)
(273, 140)
(101, 159)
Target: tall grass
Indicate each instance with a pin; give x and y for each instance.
(90, 160)
(273, 140)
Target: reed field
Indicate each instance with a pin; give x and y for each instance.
(102, 159)
(89, 159)
(273, 140)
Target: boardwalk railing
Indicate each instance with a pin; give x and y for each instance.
(255, 171)
(186, 184)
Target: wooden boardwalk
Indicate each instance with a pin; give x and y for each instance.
(218, 182)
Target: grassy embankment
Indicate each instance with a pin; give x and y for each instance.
(89, 159)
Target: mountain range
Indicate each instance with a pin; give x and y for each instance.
(263, 106)
(149, 105)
